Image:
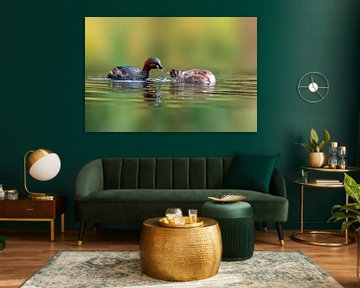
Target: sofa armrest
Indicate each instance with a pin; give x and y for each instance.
(89, 179)
(277, 184)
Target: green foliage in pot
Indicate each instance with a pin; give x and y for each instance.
(314, 144)
(349, 214)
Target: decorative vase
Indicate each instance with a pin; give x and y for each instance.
(317, 159)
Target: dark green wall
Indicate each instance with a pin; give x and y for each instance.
(42, 88)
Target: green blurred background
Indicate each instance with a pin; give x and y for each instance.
(226, 44)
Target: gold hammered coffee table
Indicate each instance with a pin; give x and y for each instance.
(180, 254)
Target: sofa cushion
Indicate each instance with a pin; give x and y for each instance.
(251, 172)
(266, 207)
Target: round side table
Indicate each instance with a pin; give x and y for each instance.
(180, 254)
(310, 236)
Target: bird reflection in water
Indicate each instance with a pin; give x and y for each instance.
(188, 90)
(152, 93)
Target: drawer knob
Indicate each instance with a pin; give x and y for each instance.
(29, 209)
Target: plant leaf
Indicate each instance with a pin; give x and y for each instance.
(312, 144)
(346, 225)
(321, 146)
(337, 216)
(306, 146)
(352, 188)
(352, 207)
(314, 135)
(326, 136)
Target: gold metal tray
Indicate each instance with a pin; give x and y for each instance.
(228, 198)
(165, 222)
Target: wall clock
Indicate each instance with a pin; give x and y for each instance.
(313, 87)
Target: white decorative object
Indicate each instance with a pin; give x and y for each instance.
(2, 192)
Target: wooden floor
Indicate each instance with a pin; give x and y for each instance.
(28, 250)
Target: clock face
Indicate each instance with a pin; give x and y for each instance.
(313, 87)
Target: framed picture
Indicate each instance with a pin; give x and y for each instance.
(170, 74)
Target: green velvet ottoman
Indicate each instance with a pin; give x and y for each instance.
(236, 221)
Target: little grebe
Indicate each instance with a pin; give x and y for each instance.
(133, 73)
(193, 76)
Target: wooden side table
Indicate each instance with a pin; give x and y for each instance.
(26, 209)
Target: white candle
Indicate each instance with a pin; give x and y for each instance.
(342, 149)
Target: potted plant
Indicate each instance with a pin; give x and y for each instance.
(350, 214)
(317, 157)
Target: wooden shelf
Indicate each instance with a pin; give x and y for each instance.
(313, 184)
(348, 169)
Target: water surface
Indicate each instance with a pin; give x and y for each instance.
(160, 105)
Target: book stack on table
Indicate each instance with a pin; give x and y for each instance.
(327, 181)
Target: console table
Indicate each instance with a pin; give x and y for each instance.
(297, 235)
(27, 209)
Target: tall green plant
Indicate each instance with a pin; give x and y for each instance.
(349, 214)
(314, 144)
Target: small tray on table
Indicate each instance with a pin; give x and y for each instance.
(188, 224)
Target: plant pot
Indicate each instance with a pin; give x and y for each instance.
(317, 159)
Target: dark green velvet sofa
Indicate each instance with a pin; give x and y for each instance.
(131, 190)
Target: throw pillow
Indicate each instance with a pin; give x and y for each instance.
(251, 172)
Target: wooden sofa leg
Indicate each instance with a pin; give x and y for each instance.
(265, 227)
(81, 233)
(280, 233)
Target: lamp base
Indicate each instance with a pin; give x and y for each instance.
(41, 196)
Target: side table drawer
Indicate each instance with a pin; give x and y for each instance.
(31, 209)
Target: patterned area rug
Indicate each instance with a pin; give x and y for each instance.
(122, 269)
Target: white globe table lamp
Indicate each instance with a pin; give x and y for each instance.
(43, 165)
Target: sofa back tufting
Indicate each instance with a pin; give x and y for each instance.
(164, 173)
